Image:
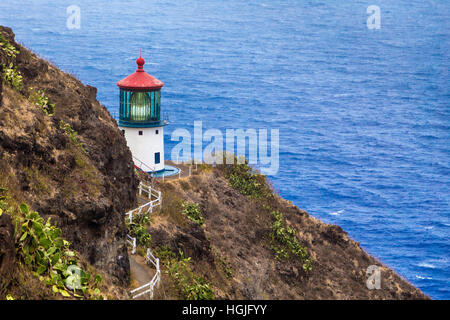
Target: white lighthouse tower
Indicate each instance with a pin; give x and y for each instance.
(140, 118)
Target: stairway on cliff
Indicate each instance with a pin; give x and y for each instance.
(143, 270)
(141, 273)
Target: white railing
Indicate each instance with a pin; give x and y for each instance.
(151, 192)
(132, 242)
(146, 207)
(156, 280)
(155, 198)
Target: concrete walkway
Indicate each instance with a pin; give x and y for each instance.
(184, 171)
(141, 273)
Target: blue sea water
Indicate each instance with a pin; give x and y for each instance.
(364, 115)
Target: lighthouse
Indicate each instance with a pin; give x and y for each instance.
(140, 118)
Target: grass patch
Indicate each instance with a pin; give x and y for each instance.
(172, 206)
(83, 177)
(164, 253)
(141, 251)
(36, 180)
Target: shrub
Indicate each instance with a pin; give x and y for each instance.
(193, 212)
(43, 250)
(12, 76)
(191, 286)
(164, 253)
(138, 229)
(243, 178)
(40, 99)
(225, 264)
(8, 48)
(285, 243)
(73, 135)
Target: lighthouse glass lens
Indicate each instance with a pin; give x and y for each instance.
(140, 106)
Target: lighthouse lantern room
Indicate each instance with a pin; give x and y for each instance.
(140, 118)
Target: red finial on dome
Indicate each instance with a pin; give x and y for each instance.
(140, 62)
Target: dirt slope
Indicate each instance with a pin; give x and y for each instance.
(236, 238)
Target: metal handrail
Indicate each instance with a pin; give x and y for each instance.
(149, 205)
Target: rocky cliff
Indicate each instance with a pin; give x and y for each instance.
(244, 250)
(62, 153)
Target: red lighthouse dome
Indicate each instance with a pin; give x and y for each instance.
(140, 80)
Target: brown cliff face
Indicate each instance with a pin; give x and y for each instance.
(233, 249)
(85, 182)
(7, 250)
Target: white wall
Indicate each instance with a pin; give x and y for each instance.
(145, 146)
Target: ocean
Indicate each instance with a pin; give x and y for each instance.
(363, 114)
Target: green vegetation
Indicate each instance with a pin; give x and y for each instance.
(2, 198)
(190, 285)
(73, 135)
(138, 229)
(141, 251)
(43, 250)
(165, 254)
(40, 99)
(172, 207)
(81, 164)
(8, 48)
(285, 243)
(246, 181)
(12, 76)
(225, 264)
(193, 212)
